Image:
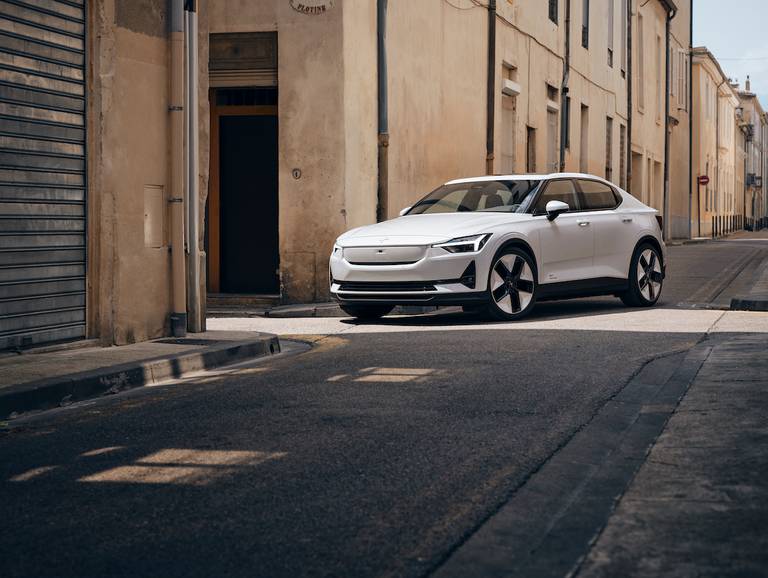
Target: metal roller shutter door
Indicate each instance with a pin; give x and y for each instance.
(42, 171)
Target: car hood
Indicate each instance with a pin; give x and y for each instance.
(429, 228)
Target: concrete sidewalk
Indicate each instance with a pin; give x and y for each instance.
(699, 504)
(52, 378)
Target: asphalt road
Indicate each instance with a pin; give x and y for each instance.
(373, 454)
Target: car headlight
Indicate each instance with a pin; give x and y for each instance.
(470, 244)
(336, 250)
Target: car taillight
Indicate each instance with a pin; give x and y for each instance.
(660, 221)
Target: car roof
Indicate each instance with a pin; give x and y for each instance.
(528, 177)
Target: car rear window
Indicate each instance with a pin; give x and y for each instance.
(598, 195)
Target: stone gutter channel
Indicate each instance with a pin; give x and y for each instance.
(550, 522)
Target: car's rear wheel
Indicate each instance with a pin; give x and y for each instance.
(512, 284)
(645, 277)
(367, 312)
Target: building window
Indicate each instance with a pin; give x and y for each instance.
(508, 121)
(687, 80)
(681, 73)
(659, 79)
(610, 32)
(553, 10)
(608, 148)
(640, 64)
(584, 144)
(551, 93)
(530, 150)
(673, 71)
(585, 23)
(622, 156)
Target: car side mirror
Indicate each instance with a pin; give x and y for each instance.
(554, 208)
(404, 211)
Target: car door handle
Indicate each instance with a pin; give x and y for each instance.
(583, 223)
(626, 220)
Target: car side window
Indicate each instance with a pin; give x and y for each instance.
(560, 190)
(597, 196)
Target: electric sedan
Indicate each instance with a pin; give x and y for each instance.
(499, 244)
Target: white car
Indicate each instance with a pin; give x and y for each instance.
(499, 244)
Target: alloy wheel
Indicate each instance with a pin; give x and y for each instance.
(512, 284)
(649, 277)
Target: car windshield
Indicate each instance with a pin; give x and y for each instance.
(503, 196)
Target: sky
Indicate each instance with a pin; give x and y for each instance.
(734, 31)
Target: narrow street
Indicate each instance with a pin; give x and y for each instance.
(377, 452)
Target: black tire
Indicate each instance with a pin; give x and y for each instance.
(646, 279)
(367, 312)
(515, 297)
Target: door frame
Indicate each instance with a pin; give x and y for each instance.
(214, 182)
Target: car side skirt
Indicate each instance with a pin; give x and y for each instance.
(581, 288)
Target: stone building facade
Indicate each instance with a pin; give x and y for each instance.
(313, 117)
(751, 120)
(726, 136)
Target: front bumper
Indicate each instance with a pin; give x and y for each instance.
(441, 299)
(438, 278)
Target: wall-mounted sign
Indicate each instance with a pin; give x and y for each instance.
(703, 180)
(312, 6)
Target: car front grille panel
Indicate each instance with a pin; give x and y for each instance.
(395, 286)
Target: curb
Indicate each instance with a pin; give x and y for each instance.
(757, 298)
(749, 304)
(66, 389)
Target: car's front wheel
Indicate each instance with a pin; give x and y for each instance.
(511, 285)
(367, 312)
(645, 277)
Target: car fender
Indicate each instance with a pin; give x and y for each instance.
(530, 240)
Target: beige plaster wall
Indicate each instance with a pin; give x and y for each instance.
(648, 119)
(538, 64)
(129, 283)
(437, 77)
(679, 141)
(360, 117)
(325, 112)
(600, 87)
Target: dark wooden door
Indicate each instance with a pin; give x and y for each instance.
(249, 252)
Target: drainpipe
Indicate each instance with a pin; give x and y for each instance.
(196, 320)
(491, 87)
(179, 302)
(565, 116)
(629, 95)
(667, 218)
(690, 131)
(382, 192)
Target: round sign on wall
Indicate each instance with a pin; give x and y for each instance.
(703, 180)
(312, 6)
